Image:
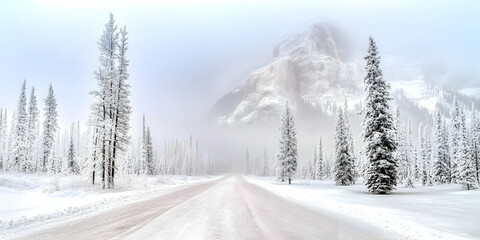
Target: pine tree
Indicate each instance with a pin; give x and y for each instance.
(3, 156)
(441, 158)
(33, 118)
(475, 143)
(344, 168)
(287, 156)
(349, 139)
(378, 128)
(19, 150)
(11, 139)
(319, 168)
(149, 153)
(425, 154)
(50, 126)
(466, 172)
(111, 110)
(315, 162)
(71, 155)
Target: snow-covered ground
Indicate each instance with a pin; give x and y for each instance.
(438, 212)
(33, 201)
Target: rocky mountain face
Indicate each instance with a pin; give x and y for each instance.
(306, 69)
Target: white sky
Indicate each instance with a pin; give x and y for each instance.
(184, 55)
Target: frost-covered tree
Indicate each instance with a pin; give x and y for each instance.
(19, 150)
(457, 139)
(287, 156)
(3, 140)
(425, 155)
(72, 153)
(344, 163)
(440, 154)
(465, 170)
(319, 167)
(50, 127)
(349, 138)
(33, 118)
(378, 127)
(111, 109)
(475, 143)
(150, 165)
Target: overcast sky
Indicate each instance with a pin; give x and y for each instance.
(187, 54)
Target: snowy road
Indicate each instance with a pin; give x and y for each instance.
(227, 208)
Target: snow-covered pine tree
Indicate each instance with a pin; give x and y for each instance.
(466, 174)
(457, 139)
(149, 151)
(50, 126)
(33, 118)
(122, 109)
(425, 154)
(19, 150)
(378, 127)
(475, 143)
(319, 167)
(11, 140)
(349, 138)
(440, 155)
(72, 153)
(143, 148)
(111, 109)
(287, 157)
(3, 161)
(344, 163)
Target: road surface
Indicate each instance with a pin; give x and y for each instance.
(227, 208)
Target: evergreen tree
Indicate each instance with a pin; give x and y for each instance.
(378, 128)
(19, 150)
(111, 110)
(319, 168)
(344, 163)
(33, 118)
(71, 155)
(466, 172)
(149, 153)
(3, 141)
(475, 143)
(441, 157)
(50, 126)
(425, 154)
(287, 156)
(349, 139)
(457, 140)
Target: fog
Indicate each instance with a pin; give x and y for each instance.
(186, 55)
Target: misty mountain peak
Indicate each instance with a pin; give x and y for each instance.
(317, 39)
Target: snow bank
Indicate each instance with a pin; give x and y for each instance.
(439, 212)
(31, 201)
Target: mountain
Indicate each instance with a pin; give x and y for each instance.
(306, 69)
